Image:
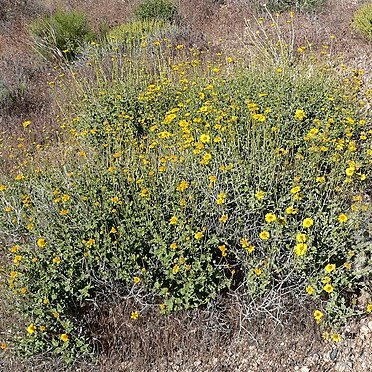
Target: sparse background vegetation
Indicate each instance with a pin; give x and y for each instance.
(190, 166)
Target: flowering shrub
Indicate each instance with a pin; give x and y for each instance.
(189, 182)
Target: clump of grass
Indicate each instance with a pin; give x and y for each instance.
(61, 35)
(362, 21)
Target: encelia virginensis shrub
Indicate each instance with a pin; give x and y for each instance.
(188, 183)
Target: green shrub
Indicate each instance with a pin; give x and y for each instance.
(190, 187)
(165, 10)
(61, 35)
(362, 20)
(303, 5)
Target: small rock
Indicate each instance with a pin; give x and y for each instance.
(333, 354)
(370, 325)
(305, 369)
(342, 367)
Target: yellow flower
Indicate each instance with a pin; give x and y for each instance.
(64, 337)
(173, 246)
(223, 250)
(369, 308)
(90, 242)
(31, 328)
(335, 337)
(295, 190)
(19, 177)
(65, 198)
(264, 235)
(257, 271)
(26, 124)
(42, 328)
(221, 198)
(56, 260)
(259, 195)
(182, 186)
(63, 212)
(134, 315)
(342, 218)
(318, 315)
(173, 220)
(350, 171)
(330, 267)
(198, 235)
(270, 217)
(136, 279)
(17, 260)
(320, 179)
(300, 249)
(145, 193)
(205, 138)
(223, 218)
(41, 243)
(310, 290)
(212, 178)
(301, 238)
(307, 223)
(206, 158)
(326, 280)
(3, 346)
(291, 210)
(328, 288)
(2, 187)
(299, 114)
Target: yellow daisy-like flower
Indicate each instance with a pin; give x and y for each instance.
(182, 186)
(264, 235)
(369, 308)
(173, 220)
(134, 315)
(300, 114)
(41, 243)
(291, 210)
(175, 269)
(259, 195)
(257, 271)
(205, 138)
(330, 267)
(2, 187)
(301, 238)
(307, 222)
(221, 198)
(342, 218)
(223, 218)
(223, 250)
(270, 217)
(295, 190)
(349, 171)
(64, 337)
(328, 288)
(136, 279)
(310, 290)
(318, 315)
(31, 328)
(3, 346)
(198, 235)
(300, 249)
(335, 337)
